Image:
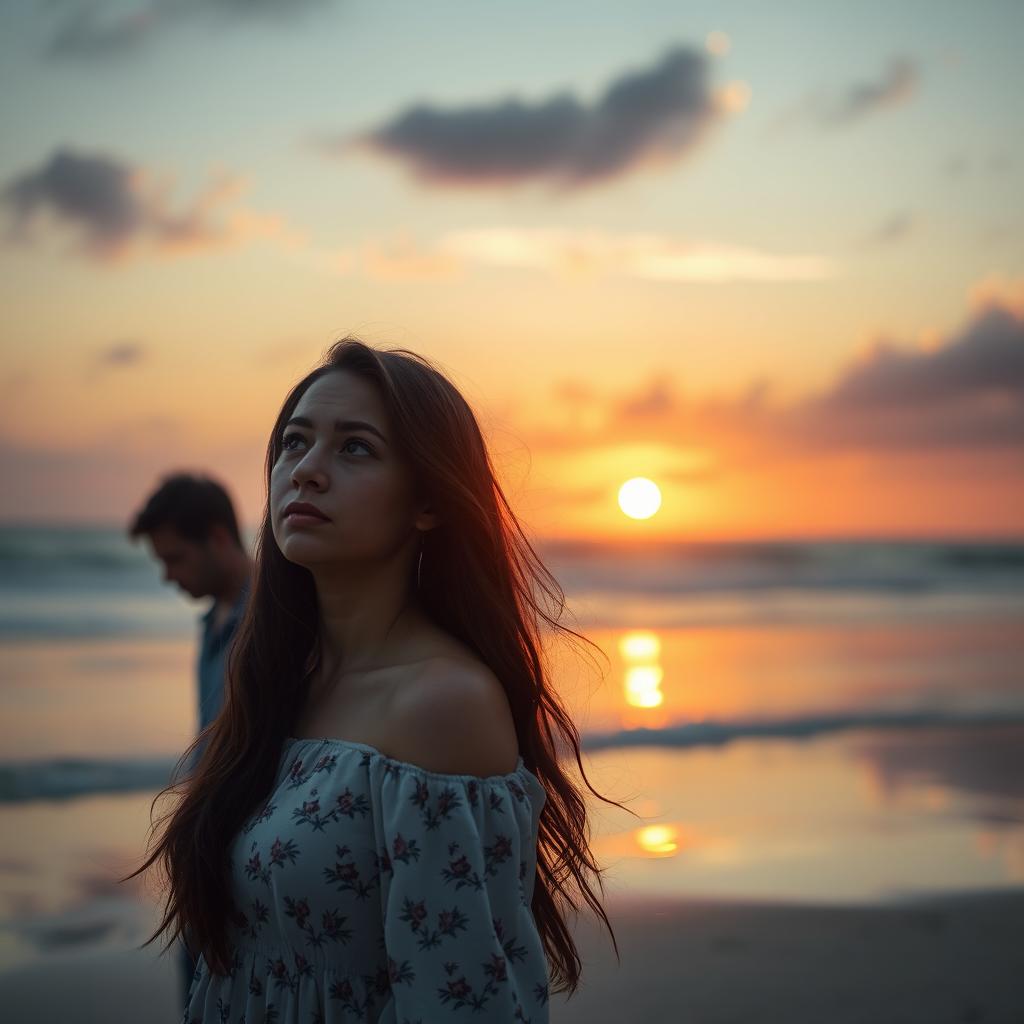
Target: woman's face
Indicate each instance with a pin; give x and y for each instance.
(351, 473)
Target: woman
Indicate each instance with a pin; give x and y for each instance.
(378, 828)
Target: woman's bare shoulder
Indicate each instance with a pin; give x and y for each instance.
(455, 717)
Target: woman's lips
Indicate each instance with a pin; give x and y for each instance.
(304, 519)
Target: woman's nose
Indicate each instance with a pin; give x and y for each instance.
(308, 469)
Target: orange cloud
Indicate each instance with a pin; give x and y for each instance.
(963, 389)
(567, 253)
(572, 252)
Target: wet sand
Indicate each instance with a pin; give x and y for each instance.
(947, 959)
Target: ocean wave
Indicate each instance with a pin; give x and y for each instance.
(70, 778)
(67, 778)
(712, 734)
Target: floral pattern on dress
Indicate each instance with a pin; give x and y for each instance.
(366, 889)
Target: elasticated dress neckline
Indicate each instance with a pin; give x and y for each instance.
(520, 768)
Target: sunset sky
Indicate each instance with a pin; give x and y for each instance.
(769, 256)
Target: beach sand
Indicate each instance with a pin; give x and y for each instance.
(946, 959)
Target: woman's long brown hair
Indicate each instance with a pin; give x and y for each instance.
(480, 580)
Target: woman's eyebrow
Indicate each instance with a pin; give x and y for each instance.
(339, 425)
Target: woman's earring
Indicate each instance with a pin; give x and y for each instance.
(419, 564)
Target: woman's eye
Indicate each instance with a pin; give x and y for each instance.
(356, 440)
(288, 438)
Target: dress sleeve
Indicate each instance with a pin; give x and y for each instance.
(457, 882)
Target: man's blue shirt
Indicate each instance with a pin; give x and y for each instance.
(213, 651)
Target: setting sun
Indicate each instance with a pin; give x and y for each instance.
(639, 498)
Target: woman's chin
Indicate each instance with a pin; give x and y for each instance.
(306, 549)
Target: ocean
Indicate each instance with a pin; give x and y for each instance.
(814, 721)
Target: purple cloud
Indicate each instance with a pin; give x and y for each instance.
(87, 33)
(658, 114)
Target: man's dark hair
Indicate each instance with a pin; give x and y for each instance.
(190, 504)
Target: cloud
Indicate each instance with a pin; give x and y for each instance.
(90, 32)
(401, 258)
(654, 400)
(94, 191)
(119, 209)
(960, 390)
(122, 353)
(985, 358)
(394, 257)
(657, 115)
(655, 257)
(894, 228)
(566, 252)
(895, 85)
(958, 164)
(964, 389)
(574, 392)
(100, 471)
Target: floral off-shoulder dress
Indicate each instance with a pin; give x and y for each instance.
(368, 889)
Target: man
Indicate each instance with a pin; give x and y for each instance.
(191, 527)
